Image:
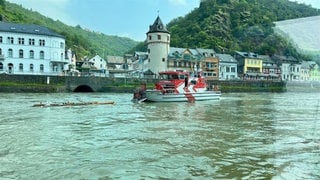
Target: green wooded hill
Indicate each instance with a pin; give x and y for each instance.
(237, 25)
(83, 42)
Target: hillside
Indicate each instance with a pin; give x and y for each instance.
(228, 25)
(83, 42)
(237, 25)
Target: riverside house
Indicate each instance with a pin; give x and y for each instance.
(228, 67)
(31, 49)
(249, 65)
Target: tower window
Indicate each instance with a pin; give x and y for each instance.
(163, 59)
(159, 37)
(150, 37)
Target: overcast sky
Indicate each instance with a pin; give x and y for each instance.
(129, 18)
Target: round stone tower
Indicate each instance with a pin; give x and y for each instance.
(158, 41)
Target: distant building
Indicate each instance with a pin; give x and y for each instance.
(314, 71)
(228, 67)
(98, 66)
(270, 70)
(249, 65)
(209, 63)
(31, 49)
(116, 66)
(184, 59)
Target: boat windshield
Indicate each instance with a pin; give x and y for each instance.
(172, 76)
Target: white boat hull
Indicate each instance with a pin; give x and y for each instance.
(158, 96)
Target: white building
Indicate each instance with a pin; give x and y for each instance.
(158, 41)
(31, 49)
(228, 67)
(99, 65)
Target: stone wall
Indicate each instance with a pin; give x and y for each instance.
(26, 83)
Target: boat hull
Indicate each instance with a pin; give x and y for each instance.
(158, 96)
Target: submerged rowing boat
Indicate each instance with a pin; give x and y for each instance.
(71, 104)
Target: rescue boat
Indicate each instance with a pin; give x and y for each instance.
(176, 86)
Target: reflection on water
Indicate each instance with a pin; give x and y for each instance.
(249, 136)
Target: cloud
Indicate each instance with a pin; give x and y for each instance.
(178, 2)
(55, 9)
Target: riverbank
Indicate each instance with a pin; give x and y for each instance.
(58, 84)
(224, 86)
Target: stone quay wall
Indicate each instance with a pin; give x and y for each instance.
(40, 83)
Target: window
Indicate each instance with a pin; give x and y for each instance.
(31, 67)
(41, 67)
(163, 59)
(10, 40)
(21, 40)
(0, 39)
(168, 38)
(1, 67)
(42, 42)
(149, 51)
(159, 37)
(31, 54)
(150, 37)
(233, 69)
(10, 53)
(21, 67)
(31, 42)
(0, 51)
(20, 53)
(61, 56)
(41, 54)
(62, 45)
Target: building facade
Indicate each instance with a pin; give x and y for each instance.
(228, 67)
(31, 49)
(249, 65)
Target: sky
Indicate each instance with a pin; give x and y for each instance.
(125, 18)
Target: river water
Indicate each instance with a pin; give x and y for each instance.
(242, 136)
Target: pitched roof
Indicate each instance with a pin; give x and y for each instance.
(247, 54)
(115, 59)
(157, 26)
(27, 29)
(226, 58)
(209, 52)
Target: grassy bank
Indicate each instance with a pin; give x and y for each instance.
(11, 87)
